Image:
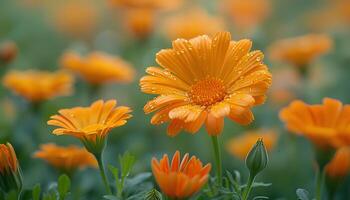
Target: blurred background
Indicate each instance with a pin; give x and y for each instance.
(40, 32)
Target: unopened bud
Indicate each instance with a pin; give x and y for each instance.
(257, 158)
(8, 51)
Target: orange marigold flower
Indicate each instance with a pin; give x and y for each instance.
(149, 4)
(98, 68)
(68, 158)
(301, 50)
(204, 79)
(190, 24)
(10, 172)
(324, 124)
(140, 22)
(241, 145)
(180, 179)
(38, 86)
(247, 13)
(90, 123)
(339, 166)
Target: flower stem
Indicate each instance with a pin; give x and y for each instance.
(217, 155)
(248, 187)
(103, 174)
(319, 183)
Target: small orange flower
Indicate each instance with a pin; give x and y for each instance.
(8, 51)
(204, 79)
(140, 22)
(66, 158)
(324, 124)
(75, 18)
(190, 24)
(300, 51)
(90, 122)
(180, 179)
(247, 13)
(339, 166)
(38, 86)
(8, 159)
(241, 145)
(149, 4)
(99, 68)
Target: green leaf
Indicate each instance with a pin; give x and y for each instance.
(302, 194)
(111, 197)
(260, 198)
(12, 195)
(63, 186)
(153, 195)
(126, 162)
(36, 192)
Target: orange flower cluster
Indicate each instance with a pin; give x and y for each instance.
(326, 125)
(203, 80)
(90, 123)
(301, 50)
(241, 145)
(190, 24)
(68, 158)
(180, 179)
(339, 166)
(38, 86)
(98, 68)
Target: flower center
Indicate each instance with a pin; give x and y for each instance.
(207, 92)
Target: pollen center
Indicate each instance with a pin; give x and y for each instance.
(207, 92)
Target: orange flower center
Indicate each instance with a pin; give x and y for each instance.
(207, 92)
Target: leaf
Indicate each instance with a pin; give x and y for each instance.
(111, 197)
(126, 162)
(257, 184)
(260, 198)
(153, 195)
(302, 194)
(132, 182)
(63, 186)
(36, 192)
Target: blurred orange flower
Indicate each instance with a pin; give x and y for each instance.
(8, 159)
(241, 145)
(75, 18)
(247, 13)
(98, 68)
(204, 79)
(66, 158)
(323, 124)
(339, 167)
(191, 24)
(91, 123)
(180, 179)
(149, 4)
(301, 50)
(38, 86)
(140, 22)
(8, 51)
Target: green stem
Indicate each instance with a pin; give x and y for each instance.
(319, 183)
(103, 174)
(248, 187)
(217, 155)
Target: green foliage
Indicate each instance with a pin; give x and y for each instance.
(153, 195)
(36, 192)
(63, 186)
(302, 194)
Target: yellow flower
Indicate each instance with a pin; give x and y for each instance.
(339, 167)
(38, 86)
(177, 179)
(204, 79)
(324, 124)
(300, 51)
(98, 68)
(241, 145)
(10, 172)
(140, 22)
(247, 13)
(90, 124)
(190, 24)
(75, 18)
(68, 158)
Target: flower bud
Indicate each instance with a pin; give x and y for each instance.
(10, 173)
(8, 51)
(257, 158)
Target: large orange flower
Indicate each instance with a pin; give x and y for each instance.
(98, 67)
(180, 179)
(301, 50)
(39, 85)
(190, 24)
(339, 166)
(241, 145)
(324, 124)
(66, 158)
(90, 123)
(204, 79)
